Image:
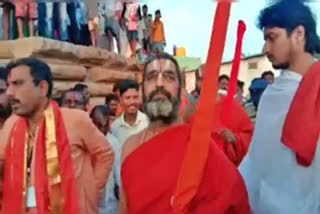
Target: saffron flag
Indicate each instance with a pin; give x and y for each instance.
(196, 154)
(227, 110)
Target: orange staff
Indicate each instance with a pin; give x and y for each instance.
(197, 152)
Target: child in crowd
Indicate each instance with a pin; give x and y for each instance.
(132, 25)
(7, 7)
(26, 10)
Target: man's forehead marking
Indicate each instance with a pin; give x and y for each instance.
(11, 76)
(161, 64)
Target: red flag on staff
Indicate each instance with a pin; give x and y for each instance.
(197, 152)
(228, 106)
(227, 110)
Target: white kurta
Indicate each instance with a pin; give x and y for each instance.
(275, 182)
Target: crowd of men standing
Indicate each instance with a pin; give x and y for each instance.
(116, 25)
(126, 156)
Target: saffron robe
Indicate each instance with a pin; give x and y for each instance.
(240, 125)
(158, 162)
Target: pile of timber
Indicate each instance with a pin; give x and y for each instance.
(72, 64)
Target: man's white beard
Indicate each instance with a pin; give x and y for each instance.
(159, 108)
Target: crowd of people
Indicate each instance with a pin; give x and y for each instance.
(61, 155)
(100, 23)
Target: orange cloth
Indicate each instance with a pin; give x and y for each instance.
(26, 9)
(240, 125)
(87, 144)
(150, 174)
(301, 130)
(89, 108)
(119, 110)
(1, 176)
(52, 144)
(158, 32)
(184, 103)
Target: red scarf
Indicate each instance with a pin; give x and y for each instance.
(302, 125)
(49, 195)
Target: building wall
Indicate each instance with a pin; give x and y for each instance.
(250, 68)
(71, 64)
(190, 78)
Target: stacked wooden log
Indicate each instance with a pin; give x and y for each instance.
(72, 64)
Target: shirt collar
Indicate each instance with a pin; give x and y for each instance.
(138, 120)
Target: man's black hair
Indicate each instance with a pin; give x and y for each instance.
(80, 87)
(223, 77)
(266, 73)
(116, 87)
(76, 91)
(124, 10)
(111, 97)
(139, 14)
(39, 70)
(103, 109)
(128, 84)
(289, 14)
(240, 84)
(3, 73)
(158, 12)
(145, 6)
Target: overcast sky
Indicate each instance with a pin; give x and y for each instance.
(188, 23)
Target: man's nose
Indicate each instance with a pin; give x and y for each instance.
(10, 92)
(160, 80)
(265, 48)
(72, 104)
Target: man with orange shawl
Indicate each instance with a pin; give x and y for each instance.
(232, 137)
(54, 160)
(160, 149)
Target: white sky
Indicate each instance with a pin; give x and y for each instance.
(188, 23)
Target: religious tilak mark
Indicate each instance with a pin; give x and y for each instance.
(193, 166)
(162, 66)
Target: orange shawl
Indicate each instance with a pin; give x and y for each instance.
(55, 184)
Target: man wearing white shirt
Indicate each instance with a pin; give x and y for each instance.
(131, 121)
(110, 202)
(276, 182)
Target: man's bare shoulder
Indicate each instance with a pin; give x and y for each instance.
(131, 144)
